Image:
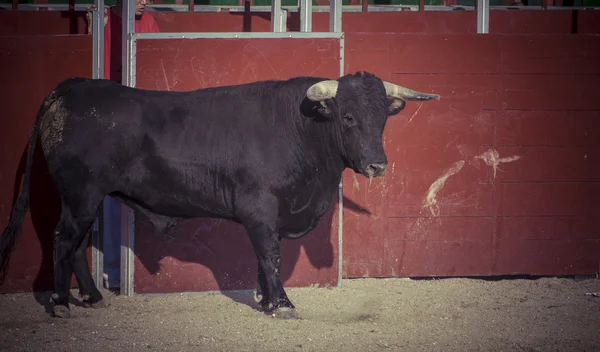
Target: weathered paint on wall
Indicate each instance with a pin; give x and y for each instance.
(498, 177)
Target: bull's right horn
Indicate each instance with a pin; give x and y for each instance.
(403, 93)
(322, 90)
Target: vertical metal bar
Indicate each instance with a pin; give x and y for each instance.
(98, 39)
(15, 4)
(365, 5)
(335, 16)
(98, 73)
(483, 16)
(127, 215)
(341, 195)
(276, 16)
(128, 58)
(71, 5)
(305, 15)
(127, 241)
(98, 252)
(283, 22)
(421, 5)
(192, 4)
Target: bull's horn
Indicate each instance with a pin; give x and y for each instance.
(403, 93)
(322, 90)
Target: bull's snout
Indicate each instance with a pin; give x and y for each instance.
(376, 170)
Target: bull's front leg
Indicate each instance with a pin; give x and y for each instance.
(261, 282)
(258, 213)
(274, 298)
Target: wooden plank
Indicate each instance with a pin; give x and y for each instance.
(548, 128)
(413, 53)
(447, 54)
(424, 194)
(549, 227)
(546, 257)
(409, 22)
(437, 128)
(212, 22)
(548, 199)
(440, 229)
(439, 258)
(191, 64)
(550, 92)
(42, 22)
(461, 94)
(551, 54)
(531, 22)
(586, 22)
(548, 164)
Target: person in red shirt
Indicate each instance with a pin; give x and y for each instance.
(113, 29)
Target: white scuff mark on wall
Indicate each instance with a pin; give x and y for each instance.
(492, 158)
(415, 113)
(431, 196)
(356, 185)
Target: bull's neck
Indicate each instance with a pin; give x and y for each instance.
(323, 150)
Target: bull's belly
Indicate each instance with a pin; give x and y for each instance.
(295, 225)
(178, 206)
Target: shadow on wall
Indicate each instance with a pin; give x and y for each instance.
(218, 249)
(45, 209)
(223, 248)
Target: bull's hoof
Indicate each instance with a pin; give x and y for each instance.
(285, 313)
(100, 304)
(61, 311)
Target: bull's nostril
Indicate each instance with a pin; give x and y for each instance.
(376, 169)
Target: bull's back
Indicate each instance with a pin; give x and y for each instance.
(91, 123)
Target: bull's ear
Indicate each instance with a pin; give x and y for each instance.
(396, 105)
(325, 108)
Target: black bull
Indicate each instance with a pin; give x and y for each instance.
(268, 155)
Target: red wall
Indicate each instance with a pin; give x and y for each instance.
(30, 66)
(533, 96)
(203, 254)
(530, 96)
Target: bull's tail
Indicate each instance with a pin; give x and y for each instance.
(11, 233)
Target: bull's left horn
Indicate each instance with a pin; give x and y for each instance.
(403, 93)
(322, 90)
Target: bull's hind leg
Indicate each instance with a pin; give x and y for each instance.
(87, 288)
(69, 254)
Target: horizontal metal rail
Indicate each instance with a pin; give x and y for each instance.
(315, 8)
(237, 35)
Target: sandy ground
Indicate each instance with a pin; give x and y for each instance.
(548, 314)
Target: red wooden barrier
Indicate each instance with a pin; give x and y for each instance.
(42, 22)
(500, 176)
(501, 22)
(30, 66)
(530, 96)
(204, 254)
